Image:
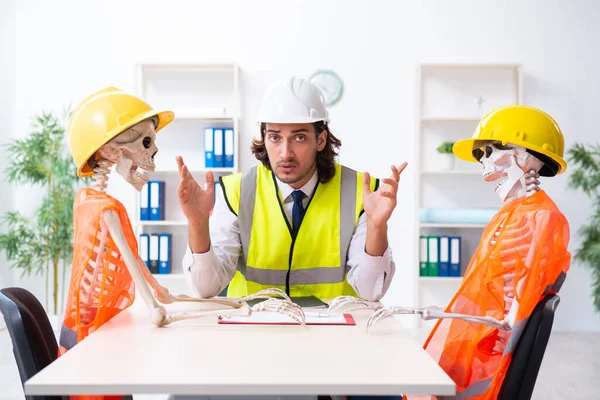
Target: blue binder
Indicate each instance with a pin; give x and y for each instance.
(218, 148)
(209, 154)
(228, 148)
(164, 257)
(157, 200)
(444, 256)
(153, 254)
(144, 199)
(144, 248)
(454, 255)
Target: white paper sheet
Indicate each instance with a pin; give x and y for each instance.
(312, 318)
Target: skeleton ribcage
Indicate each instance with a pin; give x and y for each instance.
(105, 285)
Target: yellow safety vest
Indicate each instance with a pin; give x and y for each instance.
(312, 262)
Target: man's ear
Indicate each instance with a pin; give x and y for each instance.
(321, 140)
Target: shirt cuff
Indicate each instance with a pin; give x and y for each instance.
(198, 260)
(378, 263)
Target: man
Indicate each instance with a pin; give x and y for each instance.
(298, 221)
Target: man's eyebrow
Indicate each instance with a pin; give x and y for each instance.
(300, 130)
(273, 131)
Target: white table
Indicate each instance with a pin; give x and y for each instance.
(130, 355)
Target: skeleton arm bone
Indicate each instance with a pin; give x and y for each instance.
(427, 313)
(159, 315)
(163, 295)
(113, 223)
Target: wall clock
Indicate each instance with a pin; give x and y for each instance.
(330, 84)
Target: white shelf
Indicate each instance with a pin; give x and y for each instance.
(450, 225)
(163, 223)
(451, 101)
(453, 279)
(201, 96)
(451, 172)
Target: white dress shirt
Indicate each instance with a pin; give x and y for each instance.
(207, 274)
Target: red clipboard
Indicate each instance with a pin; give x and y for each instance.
(271, 318)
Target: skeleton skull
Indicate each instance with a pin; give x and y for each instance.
(133, 148)
(505, 164)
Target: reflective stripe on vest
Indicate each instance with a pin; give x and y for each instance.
(292, 260)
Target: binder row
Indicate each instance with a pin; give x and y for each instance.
(152, 201)
(218, 147)
(439, 255)
(155, 250)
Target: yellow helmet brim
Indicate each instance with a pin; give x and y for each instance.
(164, 118)
(463, 149)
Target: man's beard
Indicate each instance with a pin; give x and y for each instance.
(301, 175)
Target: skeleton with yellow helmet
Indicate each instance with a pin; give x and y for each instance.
(522, 255)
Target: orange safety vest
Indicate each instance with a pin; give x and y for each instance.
(532, 243)
(101, 286)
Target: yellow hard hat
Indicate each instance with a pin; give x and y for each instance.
(523, 126)
(102, 116)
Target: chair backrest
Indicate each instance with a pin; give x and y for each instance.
(34, 343)
(528, 354)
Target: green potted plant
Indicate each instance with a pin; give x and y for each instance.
(445, 149)
(586, 176)
(43, 243)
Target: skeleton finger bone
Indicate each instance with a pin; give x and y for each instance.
(341, 301)
(386, 312)
(266, 294)
(284, 307)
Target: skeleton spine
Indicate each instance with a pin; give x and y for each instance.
(100, 176)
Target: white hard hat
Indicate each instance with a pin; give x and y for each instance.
(293, 100)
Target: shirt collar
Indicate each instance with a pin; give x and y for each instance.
(308, 188)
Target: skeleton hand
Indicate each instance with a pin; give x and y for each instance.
(292, 310)
(341, 301)
(386, 312)
(379, 205)
(196, 203)
(285, 305)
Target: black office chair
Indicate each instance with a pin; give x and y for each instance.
(529, 352)
(33, 341)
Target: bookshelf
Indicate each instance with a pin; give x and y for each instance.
(451, 100)
(201, 96)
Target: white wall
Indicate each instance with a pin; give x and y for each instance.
(67, 49)
(8, 50)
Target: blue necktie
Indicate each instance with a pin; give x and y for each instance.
(298, 210)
